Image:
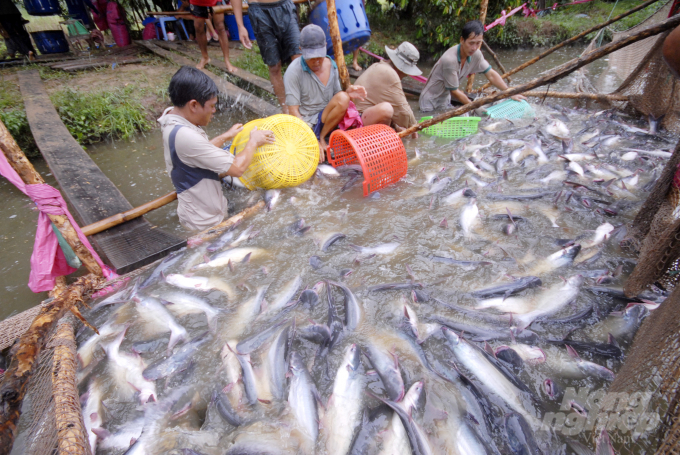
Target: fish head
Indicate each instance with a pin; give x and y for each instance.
(571, 251)
(635, 312)
(467, 192)
(296, 363)
(550, 388)
(451, 336)
(575, 281)
(352, 357)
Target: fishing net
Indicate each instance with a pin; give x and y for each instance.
(653, 366)
(51, 420)
(638, 72)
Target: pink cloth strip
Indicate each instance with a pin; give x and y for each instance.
(352, 118)
(48, 261)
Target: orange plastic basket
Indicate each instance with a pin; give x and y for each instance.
(377, 148)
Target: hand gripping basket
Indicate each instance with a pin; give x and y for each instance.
(377, 148)
(289, 161)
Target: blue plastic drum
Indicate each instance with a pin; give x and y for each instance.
(352, 22)
(78, 10)
(42, 7)
(50, 42)
(232, 26)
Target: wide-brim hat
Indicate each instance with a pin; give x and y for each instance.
(405, 58)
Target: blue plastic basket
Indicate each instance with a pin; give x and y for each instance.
(511, 109)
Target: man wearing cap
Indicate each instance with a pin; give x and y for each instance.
(456, 64)
(314, 94)
(278, 37)
(382, 82)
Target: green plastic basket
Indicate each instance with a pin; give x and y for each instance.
(452, 128)
(511, 109)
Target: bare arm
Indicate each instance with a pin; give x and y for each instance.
(218, 141)
(498, 82)
(243, 159)
(459, 96)
(294, 110)
(237, 7)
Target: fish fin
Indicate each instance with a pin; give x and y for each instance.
(371, 372)
(603, 445)
(264, 401)
(489, 349)
(356, 247)
(611, 340)
(572, 352)
(471, 418)
(101, 433)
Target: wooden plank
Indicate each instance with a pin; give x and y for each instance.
(101, 64)
(235, 94)
(193, 53)
(91, 194)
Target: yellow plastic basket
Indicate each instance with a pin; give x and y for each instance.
(289, 161)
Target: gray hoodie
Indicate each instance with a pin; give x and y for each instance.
(203, 205)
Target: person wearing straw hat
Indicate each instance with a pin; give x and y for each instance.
(314, 94)
(446, 78)
(382, 82)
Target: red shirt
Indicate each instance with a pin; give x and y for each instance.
(210, 3)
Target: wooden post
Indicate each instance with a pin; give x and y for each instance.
(69, 422)
(554, 75)
(482, 18)
(27, 352)
(495, 59)
(30, 176)
(571, 40)
(337, 44)
(217, 230)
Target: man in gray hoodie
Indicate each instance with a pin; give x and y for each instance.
(196, 164)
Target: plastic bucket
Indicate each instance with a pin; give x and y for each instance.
(377, 148)
(78, 10)
(50, 42)
(42, 7)
(232, 27)
(352, 22)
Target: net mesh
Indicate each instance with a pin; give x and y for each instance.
(51, 420)
(638, 72)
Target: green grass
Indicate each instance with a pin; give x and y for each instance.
(251, 61)
(13, 115)
(91, 117)
(561, 24)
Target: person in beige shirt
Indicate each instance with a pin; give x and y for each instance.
(382, 82)
(194, 163)
(447, 76)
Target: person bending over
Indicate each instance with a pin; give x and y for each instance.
(460, 61)
(382, 82)
(278, 37)
(202, 10)
(194, 163)
(313, 91)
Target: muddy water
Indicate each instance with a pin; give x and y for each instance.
(136, 167)
(423, 225)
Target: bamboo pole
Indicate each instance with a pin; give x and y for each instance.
(552, 76)
(571, 40)
(14, 384)
(30, 176)
(495, 59)
(119, 218)
(217, 230)
(337, 44)
(483, 7)
(578, 96)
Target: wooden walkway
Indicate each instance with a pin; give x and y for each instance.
(235, 94)
(88, 191)
(188, 49)
(99, 59)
